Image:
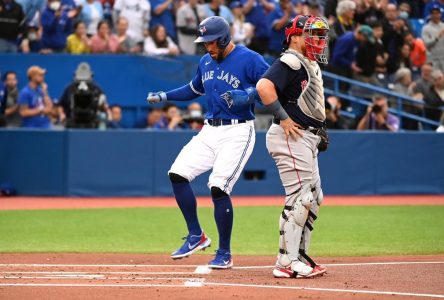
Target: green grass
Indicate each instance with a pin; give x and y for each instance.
(339, 231)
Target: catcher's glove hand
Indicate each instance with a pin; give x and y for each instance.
(325, 141)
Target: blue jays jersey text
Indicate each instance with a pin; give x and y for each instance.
(241, 69)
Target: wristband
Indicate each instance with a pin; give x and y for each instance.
(277, 110)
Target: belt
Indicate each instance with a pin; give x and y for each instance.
(310, 129)
(222, 122)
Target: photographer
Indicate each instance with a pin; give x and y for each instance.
(172, 118)
(377, 116)
(83, 100)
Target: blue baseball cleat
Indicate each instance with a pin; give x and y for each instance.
(221, 261)
(192, 244)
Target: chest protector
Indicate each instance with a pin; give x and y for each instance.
(311, 101)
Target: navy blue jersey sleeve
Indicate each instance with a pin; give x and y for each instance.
(280, 74)
(196, 84)
(256, 68)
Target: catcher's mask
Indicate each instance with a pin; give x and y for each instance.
(315, 33)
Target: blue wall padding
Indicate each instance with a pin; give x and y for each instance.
(135, 163)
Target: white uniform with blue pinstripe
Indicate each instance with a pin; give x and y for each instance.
(225, 149)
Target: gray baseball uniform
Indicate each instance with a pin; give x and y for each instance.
(299, 86)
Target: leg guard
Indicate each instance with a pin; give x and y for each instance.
(308, 228)
(291, 224)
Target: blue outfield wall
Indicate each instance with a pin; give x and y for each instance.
(135, 163)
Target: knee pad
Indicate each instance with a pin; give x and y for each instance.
(174, 178)
(217, 193)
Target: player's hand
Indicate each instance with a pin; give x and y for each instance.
(291, 128)
(240, 97)
(156, 97)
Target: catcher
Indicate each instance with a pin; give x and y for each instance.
(292, 89)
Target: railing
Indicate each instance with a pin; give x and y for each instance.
(399, 98)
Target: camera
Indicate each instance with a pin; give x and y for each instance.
(376, 109)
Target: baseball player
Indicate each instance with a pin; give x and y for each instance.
(293, 90)
(227, 76)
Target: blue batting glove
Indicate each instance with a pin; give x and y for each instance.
(240, 97)
(156, 97)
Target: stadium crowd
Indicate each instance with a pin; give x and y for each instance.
(379, 42)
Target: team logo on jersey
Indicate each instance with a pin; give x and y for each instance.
(202, 30)
(228, 99)
(304, 84)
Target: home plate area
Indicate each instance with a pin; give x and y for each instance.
(117, 276)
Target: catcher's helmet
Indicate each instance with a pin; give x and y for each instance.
(214, 29)
(315, 32)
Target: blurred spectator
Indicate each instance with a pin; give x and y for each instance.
(116, 117)
(10, 107)
(343, 60)
(365, 61)
(83, 100)
(345, 18)
(418, 55)
(194, 117)
(403, 57)
(433, 4)
(78, 42)
(368, 11)
(158, 43)
(405, 10)
(330, 10)
(172, 118)
(104, 41)
(56, 23)
(278, 19)
(91, 15)
(33, 41)
(153, 117)
(314, 8)
(377, 116)
(34, 102)
(162, 14)
(107, 6)
(71, 6)
(12, 25)
(343, 23)
(403, 81)
(217, 8)
(126, 43)
(393, 38)
(381, 55)
(436, 99)
(404, 85)
(188, 17)
(256, 14)
(31, 8)
(243, 31)
(433, 36)
(137, 15)
(334, 119)
(421, 88)
(416, 8)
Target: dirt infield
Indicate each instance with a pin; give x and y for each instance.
(85, 202)
(126, 276)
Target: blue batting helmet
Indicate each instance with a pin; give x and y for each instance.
(214, 29)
